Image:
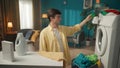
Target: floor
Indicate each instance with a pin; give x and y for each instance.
(85, 50)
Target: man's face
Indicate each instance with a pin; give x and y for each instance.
(56, 19)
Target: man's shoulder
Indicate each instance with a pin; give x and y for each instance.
(44, 30)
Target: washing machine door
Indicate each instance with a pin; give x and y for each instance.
(101, 40)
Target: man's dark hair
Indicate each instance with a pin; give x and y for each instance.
(52, 12)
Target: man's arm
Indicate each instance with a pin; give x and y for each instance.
(71, 30)
(88, 18)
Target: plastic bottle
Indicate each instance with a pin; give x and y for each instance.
(20, 44)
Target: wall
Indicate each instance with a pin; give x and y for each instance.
(72, 9)
(112, 3)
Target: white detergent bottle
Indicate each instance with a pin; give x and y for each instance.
(20, 44)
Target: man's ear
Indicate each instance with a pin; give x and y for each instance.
(51, 18)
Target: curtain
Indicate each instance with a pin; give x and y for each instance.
(36, 14)
(10, 13)
(26, 14)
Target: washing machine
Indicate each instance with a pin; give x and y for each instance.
(107, 45)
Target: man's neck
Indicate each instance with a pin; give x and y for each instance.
(53, 25)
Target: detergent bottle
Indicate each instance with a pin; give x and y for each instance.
(20, 44)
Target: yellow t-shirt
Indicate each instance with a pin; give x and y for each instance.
(48, 41)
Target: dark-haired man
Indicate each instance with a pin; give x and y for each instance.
(53, 37)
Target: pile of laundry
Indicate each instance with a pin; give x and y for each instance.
(110, 11)
(84, 61)
(106, 12)
(117, 12)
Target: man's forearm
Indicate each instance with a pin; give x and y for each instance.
(88, 18)
(83, 23)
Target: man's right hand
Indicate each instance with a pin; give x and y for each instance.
(88, 18)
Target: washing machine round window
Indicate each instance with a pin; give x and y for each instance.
(101, 40)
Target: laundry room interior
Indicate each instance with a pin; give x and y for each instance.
(93, 39)
(87, 33)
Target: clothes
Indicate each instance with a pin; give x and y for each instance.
(113, 11)
(84, 61)
(93, 58)
(81, 61)
(58, 37)
(52, 55)
(49, 42)
(104, 12)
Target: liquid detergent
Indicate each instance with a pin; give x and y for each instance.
(20, 44)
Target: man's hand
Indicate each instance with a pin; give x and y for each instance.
(88, 18)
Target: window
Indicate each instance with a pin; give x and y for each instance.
(26, 14)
